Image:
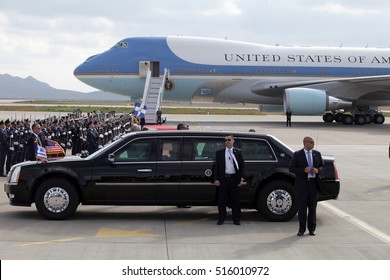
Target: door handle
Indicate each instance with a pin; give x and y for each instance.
(144, 170)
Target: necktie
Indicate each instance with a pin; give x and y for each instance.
(310, 162)
(233, 158)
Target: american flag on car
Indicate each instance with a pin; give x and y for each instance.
(53, 148)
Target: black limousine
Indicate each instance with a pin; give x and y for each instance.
(163, 168)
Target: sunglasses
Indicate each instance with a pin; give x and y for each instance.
(228, 140)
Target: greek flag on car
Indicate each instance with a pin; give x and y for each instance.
(40, 152)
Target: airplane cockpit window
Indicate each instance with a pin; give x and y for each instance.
(121, 45)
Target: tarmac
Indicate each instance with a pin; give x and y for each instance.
(356, 226)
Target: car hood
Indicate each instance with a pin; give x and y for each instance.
(65, 159)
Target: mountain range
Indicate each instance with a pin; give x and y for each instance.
(31, 88)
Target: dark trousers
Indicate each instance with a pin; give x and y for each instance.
(8, 163)
(308, 196)
(229, 192)
(288, 122)
(3, 155)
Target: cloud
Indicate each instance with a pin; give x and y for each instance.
(223, 7)
(339, 9)
(47, 39)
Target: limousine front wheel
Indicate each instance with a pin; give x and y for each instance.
(277, 201)
(56, 199)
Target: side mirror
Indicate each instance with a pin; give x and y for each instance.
(111, 158)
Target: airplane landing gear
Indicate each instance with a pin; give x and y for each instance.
(358, 117)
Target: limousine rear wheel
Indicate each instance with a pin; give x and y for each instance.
(56, 199)
(277, 201)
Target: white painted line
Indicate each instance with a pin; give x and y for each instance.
(353, 220)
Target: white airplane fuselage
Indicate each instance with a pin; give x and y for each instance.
(233, 71)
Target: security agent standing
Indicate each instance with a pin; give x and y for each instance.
(288, 118)
(307, 164)
(228, 177)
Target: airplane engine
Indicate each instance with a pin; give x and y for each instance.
(308, 101)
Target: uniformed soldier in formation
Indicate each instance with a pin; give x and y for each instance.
(92, 138)
(71, 132)
(8, 132)
(4, 147)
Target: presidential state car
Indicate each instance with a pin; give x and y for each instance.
(164, 168)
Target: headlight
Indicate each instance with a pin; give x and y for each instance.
(14, 178)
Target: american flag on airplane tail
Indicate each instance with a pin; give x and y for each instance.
(53, 148)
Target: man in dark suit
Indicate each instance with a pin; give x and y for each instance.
(32, 141)
(307, 164)
(228, 177)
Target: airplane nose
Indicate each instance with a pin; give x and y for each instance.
(84, 68)
(78, 71)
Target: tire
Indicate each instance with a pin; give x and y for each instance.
(338, 117)
(56, 199)
(347, 119)
(379, 119)
(328, 118)
(360, 119)
(368, 118)
(277, 201)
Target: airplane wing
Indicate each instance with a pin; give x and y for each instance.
(351, 89)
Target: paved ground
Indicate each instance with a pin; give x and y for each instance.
(356, 226)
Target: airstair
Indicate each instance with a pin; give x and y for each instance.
(153, 95)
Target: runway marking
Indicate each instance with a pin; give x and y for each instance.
(110, 232)
(51, 241)
(363, 225)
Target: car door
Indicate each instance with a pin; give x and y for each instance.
(131, 177)
(196, 185)
(259, 158)
(169, 150)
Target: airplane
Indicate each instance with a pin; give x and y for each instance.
(342, 84)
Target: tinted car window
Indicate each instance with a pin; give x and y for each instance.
(256, 150)
(204, 149)
(170, 149)
(135, 151)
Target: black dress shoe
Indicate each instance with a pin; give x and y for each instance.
(312, 233)
(220, 223)
(300, 233)
(237, 223)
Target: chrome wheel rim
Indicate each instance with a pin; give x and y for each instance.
(56, 200)
(279, 202)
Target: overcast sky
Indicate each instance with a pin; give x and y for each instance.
(47, 39)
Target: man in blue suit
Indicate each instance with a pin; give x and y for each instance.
(307, 164)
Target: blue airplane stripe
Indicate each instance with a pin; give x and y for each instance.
(193, 70)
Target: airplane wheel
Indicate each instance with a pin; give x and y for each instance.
(379, 119)
(368, 118)
(338, 117)
(328, 117)
(360, 119)
(347, 119)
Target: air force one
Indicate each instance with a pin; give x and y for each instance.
(342, 84)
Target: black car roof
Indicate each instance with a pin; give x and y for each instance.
(200, 133)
